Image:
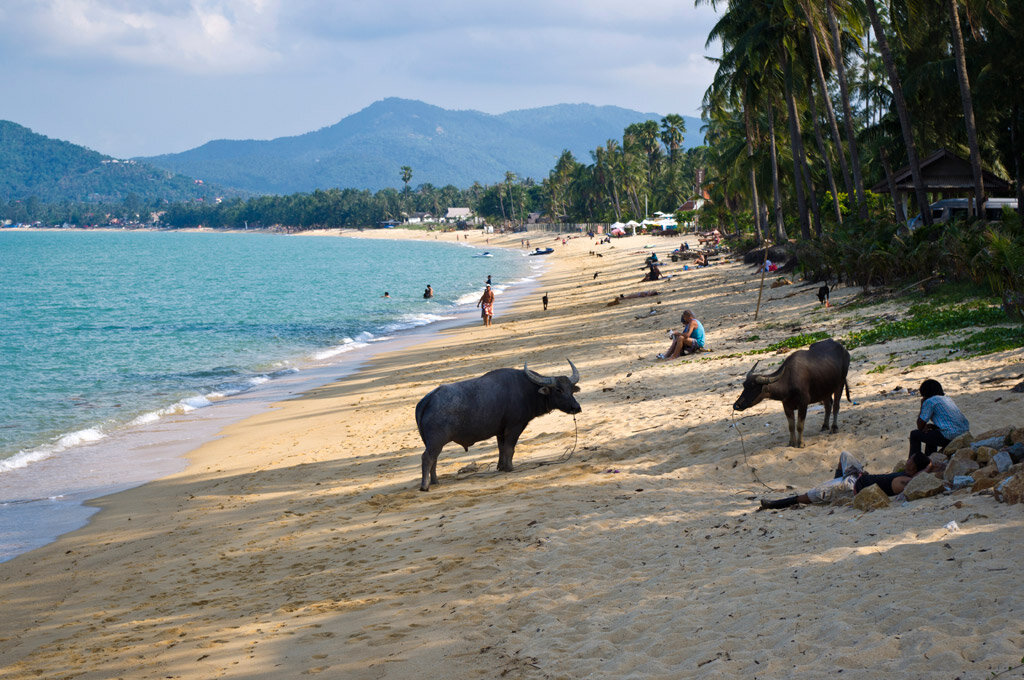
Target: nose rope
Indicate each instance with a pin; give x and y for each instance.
(479, 469)
(743, 447)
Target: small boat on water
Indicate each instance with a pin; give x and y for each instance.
(486, 253)
(542, 251)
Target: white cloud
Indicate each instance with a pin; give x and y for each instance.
(201, 36)
(210, 67)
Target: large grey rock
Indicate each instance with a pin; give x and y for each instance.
(960, 442)
(995, 441)
(923, 485)
(959, 465)
(1016, 452)
(871, 498)
(984, 454)
(1002, 461)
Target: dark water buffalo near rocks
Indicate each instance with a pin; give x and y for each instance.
(497, 404)
(808, 376)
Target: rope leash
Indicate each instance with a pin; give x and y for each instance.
(743, 447)
(564, 458)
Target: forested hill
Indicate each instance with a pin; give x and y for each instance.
(368, 149)
(52, 170)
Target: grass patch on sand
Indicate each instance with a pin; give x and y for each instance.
(795, 342)
(929, 321)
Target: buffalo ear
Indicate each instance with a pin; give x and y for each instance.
(545, 390)
(575, 388)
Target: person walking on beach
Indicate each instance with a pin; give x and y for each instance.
(486, 305)
(544, 301)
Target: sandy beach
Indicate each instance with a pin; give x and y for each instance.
(625, 544)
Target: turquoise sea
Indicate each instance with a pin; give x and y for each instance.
(108, 339)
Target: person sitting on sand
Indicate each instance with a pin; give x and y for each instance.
(939, 421)
(653, 275)
(850, 478)
(687, 341)
(702, 259)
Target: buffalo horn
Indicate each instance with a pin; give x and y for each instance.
(538, 378)
(750, 373)
(575, 377)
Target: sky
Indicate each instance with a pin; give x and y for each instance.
(145, 77)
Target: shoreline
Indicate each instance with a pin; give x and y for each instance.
(297, 543)
(52, 503)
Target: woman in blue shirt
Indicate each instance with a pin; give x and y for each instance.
(687, 341)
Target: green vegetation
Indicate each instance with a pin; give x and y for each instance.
(795, 342)
(37, 172)
(880, 368)
(927, 321)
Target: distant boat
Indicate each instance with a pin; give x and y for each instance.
(542, 251)
(486, 253)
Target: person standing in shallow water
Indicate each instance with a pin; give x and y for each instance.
(428, 293)
(486, 305)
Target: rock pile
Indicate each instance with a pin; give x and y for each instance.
(992, 460)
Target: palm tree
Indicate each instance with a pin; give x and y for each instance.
(952, 9)
(673, 127)
(844, 95)
(406, 175)
(896, 83)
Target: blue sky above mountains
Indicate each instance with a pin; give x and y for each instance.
(143, 77)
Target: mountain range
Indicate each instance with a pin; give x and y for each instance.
(367, 149)
(53, 170)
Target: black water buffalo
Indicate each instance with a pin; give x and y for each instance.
(497, 404)
(807, 376)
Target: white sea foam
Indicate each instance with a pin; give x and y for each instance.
(408, 321)
(64, 442)
(347, 345)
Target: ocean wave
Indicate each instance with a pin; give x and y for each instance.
(63, 443)
(407, 321)
(347, 345)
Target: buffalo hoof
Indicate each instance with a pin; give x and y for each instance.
(424, 488)
(834, 430)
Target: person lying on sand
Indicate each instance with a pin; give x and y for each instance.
(686, 341)
(850, 478)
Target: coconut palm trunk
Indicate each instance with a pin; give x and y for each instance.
(965, 98)
(758, 226)
(780, 224)
(891, 183)
(823, 150)
(896, 85)
(830, 115)
(844, 95)
(797, 144)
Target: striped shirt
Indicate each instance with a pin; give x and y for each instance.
(941, 411)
